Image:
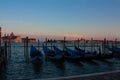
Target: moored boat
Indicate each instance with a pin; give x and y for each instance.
(53, 55)
(86, 55)
(36, 55)
(113, 49)
(70, 54)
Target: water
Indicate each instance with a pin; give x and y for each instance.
(18, 68)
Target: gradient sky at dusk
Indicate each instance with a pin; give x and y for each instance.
(58, 18)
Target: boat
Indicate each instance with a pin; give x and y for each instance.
(70, 54)
(114, 49)
(36, 55)
(86, 55)
(78, 49)
(54, 55)
(93, 55)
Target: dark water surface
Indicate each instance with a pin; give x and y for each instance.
(18, 68)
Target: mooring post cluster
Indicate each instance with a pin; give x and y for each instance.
(5, 51)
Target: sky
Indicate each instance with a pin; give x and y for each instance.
(58, 18)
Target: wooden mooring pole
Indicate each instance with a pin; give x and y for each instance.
(64, 43)
(9, 49)
(46, 40)
(38, 45)
(84, 45)
(51, 41)
(91, 44)
(27, 49)
(104, 45)
(115, 42)
(0, 35)
(5, 53)
(78, 42)
(24, 42)
(74, 43)
(2, 57)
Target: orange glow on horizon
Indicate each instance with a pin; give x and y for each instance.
(61, 36)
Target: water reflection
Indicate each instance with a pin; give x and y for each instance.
(92, 62)
(18, 68)
(3, 73)
(37, 67)
(77, 63)
(105, 61)
(60, 66)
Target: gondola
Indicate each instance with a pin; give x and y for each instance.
(53, 55)
(86, 55)
(36, 55)
(72, 55)
(113, 49)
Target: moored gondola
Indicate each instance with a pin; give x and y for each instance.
(53, 55)
(113, 49)
(72, 55)
(86, 55)
(36, 55)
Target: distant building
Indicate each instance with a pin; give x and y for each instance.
(16, 39)
(30, 40)
(66, 41)
(11, 38)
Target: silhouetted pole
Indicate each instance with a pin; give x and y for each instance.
(116, 42)
(112, 44)
(27, 50)
(24, 42)
(46, 41)
(78, 42)
(5, 52)
(74, 43)
(104, 45)
(38, 45)
(84, 44)
(107, 42)
(0, 36)
(91, 44)
(94, 45)
(99, 47)
(9, 48)
(99, 50)
(51, 43)
(64, 43)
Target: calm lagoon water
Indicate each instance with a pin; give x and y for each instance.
(18, 68)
